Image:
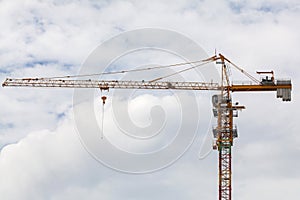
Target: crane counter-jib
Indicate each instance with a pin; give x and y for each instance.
(245, 88)
(282, 87)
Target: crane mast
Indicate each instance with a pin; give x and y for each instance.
(223, 108)
(224, 133)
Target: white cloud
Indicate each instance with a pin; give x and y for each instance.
(41, 163)
(54, 165)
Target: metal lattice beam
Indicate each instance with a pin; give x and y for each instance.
(103, 84)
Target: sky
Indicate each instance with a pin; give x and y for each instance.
(43, 151)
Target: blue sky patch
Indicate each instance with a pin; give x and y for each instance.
(236, 7)
(6, 125)
(40, 62)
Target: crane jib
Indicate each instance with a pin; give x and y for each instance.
(283, 87)
(106, 84)
(103, 84)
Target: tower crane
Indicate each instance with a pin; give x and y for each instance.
(223, 108)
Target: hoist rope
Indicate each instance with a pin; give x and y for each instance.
(124, 71)
(178, 72)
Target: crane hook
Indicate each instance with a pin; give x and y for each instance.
(103, 99)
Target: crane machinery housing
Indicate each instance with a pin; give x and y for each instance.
(223, 108)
